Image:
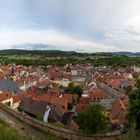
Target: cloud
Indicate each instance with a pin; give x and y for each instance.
(83, 25)
(55, 39)
(127, 38)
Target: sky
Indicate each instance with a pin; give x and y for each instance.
(70, 25)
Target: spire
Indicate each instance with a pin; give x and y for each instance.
(12, 69)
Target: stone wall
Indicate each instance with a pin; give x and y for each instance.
(58, 131)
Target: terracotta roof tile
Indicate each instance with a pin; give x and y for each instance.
(5, 97)
(70, 97)
(119, 110)
(80, 106)
(33, 107)
(18, 97)
(97, 93)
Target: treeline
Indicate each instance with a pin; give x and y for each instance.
(49, 53)
(46, 53)
(118, 61)
(40, 57)
(115, 61)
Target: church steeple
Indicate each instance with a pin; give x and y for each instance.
(12, 72)
(12, 69)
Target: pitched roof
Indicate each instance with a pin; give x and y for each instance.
(50, 98)
(67, 76)
(67, 117)
(9, 85)
(114, 81)
(84, 100)
(5, 97)
(55, 74)
(119, 109)
(86, 87)
(18, 97)
(70, 97)
(97, 93)
(33, 107)
(80, 106)
(56, 113)
(58, 101)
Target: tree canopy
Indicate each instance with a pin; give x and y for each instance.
(74, 89)
(134, 107)
(91, 120)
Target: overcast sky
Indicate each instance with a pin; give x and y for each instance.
(78, 25)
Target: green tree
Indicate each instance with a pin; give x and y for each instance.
(78, 90)
(137, 85)
(91, 120)
(74, 89)
(70, 88)
(134, 107)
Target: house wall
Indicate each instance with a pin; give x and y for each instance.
(61, 82)
(8, 100)
(74, 72)
(15, 105)
(107, 113)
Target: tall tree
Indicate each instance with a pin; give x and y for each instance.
(74, 89)
(91, 120)
(134, 106)
(78, 90)
(70, 88)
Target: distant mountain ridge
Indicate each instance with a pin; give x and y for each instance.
(126, 53)
(53, 53)
(38, 52)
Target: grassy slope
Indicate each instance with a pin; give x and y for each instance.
(8, 133)
(131, 135)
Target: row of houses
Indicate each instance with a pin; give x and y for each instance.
(46, 99)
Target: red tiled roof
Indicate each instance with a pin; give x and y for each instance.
(125, 102)
(59, 101)
(67, 76)
(56, 91)
(86, 87)
(54, 100)
(84, 100)
(55, 74)
(97, 93)
(70, 97)
(18, 97)
(115, 82)
(119, 110)
(80, 106)
(31, 106)
(45, 97)
(5, 97)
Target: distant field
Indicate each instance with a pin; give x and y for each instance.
(57, 57)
